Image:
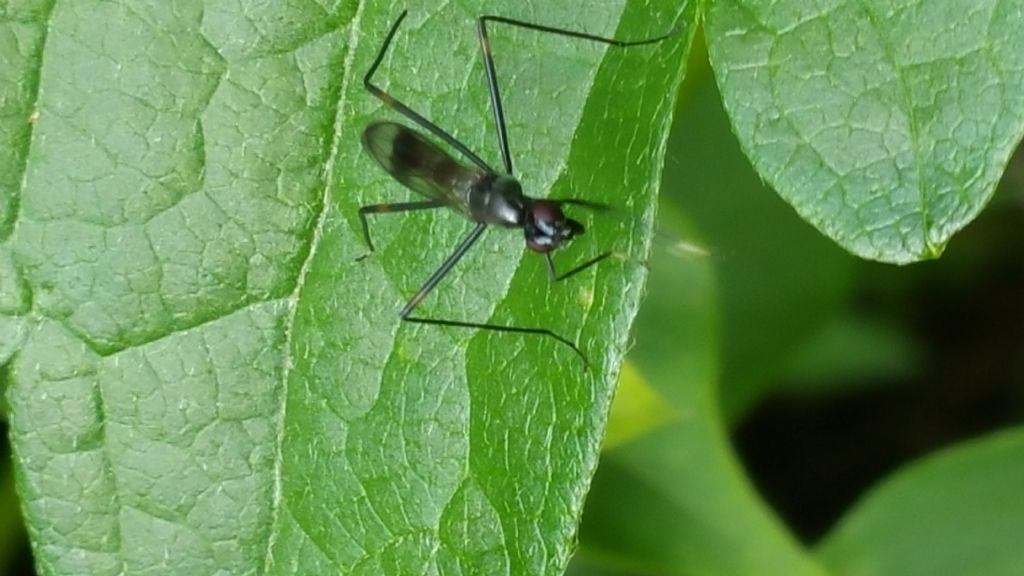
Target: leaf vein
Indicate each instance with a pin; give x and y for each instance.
(288, 364)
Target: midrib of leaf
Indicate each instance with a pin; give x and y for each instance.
(288, 360)
(911, 112)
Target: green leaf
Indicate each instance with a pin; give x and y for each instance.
(205, 380)
(960, 511)
(885, 124)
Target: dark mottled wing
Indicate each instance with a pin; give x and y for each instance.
(420, 164)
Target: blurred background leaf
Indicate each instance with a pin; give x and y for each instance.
(958, 512)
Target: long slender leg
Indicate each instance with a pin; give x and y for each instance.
(500, 328)
(492, 77)
(554, 276)
(391, 208)
(409, 113)
(443, 270)
(595, 206)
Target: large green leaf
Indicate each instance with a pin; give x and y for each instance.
(886, 124)
(203, 379)
(960, 511)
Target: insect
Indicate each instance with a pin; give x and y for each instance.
(483, 195)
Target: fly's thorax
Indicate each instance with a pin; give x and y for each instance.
(497, 199)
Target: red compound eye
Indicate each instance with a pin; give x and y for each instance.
(547, 213)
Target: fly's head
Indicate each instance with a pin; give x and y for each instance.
(546, 226)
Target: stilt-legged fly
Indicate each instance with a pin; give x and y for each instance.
(474, 189)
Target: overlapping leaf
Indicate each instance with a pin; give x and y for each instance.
(885, 124)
